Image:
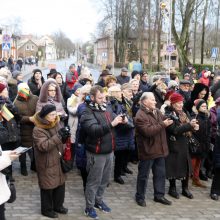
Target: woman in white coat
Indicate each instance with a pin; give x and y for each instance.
(6, 157)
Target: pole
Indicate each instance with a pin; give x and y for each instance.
(113, 46)
(170, 32)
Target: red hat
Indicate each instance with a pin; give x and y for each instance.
(2, 87)
(168, 94)
(176, 97)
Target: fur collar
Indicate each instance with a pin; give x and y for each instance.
(44, 124)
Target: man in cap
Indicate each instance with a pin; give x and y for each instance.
(184, 90)
(123, 77)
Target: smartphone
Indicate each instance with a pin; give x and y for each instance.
(21, 150)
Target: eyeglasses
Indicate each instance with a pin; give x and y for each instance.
(51, 90)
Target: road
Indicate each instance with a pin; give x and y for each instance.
(61, 66)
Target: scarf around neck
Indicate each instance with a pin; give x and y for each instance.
(98, 107)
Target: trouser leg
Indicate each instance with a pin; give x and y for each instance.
(2, 211)
(215, 188)
(46, 200)
(105, 178)
(144, 167)
(159, 176)
(84, 175)
(58, 197)
(118, 164)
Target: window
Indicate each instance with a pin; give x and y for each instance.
(161, 46)
(129, 44)
(32, 47)
(27, 47)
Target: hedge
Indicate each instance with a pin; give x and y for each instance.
(200, 67)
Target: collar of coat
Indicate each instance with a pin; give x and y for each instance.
(148, 111)
(43, 123)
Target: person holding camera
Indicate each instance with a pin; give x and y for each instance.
(97, 124)
(48, 138)
(178, 162)
(124, 133)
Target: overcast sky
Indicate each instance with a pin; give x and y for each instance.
(76, 18)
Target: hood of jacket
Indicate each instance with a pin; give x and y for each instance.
(44, 91)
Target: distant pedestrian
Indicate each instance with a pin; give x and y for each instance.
(123, 77)
(71, 76)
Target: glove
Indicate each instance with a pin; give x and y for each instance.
(64, 133)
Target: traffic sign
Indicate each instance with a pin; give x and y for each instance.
(170, 48)
(214, 53)
(6, 38)
(6, 46)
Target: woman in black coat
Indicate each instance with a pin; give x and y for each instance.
(178, 162)
(200, 112)
(215, 188)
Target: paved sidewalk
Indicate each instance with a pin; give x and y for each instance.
(119, 197)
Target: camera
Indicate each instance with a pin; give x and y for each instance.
(67, 129)
(123, 116)
(172, 117)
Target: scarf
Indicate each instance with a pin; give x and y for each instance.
(98, 107)
(183, 120)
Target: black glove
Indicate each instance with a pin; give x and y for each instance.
(64, 133)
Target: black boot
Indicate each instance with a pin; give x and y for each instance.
(172, 190)
(24, 169)
(185, 189)
(202, 176)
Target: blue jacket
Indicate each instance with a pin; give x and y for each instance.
(124, 133)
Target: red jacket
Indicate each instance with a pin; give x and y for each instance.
(71, 79)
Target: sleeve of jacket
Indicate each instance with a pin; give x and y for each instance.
(145, 127)
(44, 143)
(177, 129)
(92, 127)
(4, 160)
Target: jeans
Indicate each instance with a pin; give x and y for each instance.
(158, 169)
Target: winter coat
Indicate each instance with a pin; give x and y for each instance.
(150, 134)
(65, 92)
(34, 86)
(101, 83)
(144, 86)
(71, 79)
(46, 141)
(26, 109)
(178, 162)
(44, 99)
(204, 80)
(124, 133)
(4, 190)
(186, 95)
(12, 126)
(80, 149)
(194, 95)
(203, 135)
(216, 153)
(12, 88)
(213, 119)
(72, 106)
(122, 79)
(96, 125)
(215, 89)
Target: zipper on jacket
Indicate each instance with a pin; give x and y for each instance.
(108, 120)
(97, 149)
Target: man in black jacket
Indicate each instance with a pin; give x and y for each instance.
(97, 126)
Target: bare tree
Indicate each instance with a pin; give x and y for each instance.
(203, 30)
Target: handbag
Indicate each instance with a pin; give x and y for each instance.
(194, 146)
(66, 165)
(12, 188)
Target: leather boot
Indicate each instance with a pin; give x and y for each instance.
(24, 169)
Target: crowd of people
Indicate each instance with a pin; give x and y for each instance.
(169, 126)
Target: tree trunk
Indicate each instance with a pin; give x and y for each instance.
(159, 41)
(149, 37)
(194, 36)
(203, 31)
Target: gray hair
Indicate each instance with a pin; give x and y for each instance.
(146, 95)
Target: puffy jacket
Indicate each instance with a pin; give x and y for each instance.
(96, 124)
